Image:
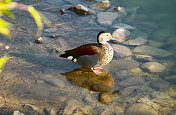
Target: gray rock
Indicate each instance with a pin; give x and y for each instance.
(124, 26)
(149, 50)
(160, 85)
(88, 99)
(55, 82)
(121, 35)
(121, 51)
(131, 81)
(143, 57)
(153, 67)
(71, 105)
(135, 42)
(128, 90)
(106, 18)
(140, 109)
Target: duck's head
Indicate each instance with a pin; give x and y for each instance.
(103, 37)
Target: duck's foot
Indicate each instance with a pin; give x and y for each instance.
(97, 70)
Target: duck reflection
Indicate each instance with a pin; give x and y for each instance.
(86, 78)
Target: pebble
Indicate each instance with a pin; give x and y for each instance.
(140, 109)
(103, 4)
(159, 85)
(121, 35)
(128, 90)
(153, 51)
(123, 26)
(153, 67)
(121, 51)
(106, 18)
(55, 82)
(143, 58)
(42, 40)
(132, 81)
(135, 42)
(17, 113)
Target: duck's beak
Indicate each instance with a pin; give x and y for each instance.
(114, 40)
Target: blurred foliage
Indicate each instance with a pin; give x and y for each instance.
(7, 5)
(3, 60)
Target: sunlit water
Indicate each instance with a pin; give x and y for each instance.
(32, 77)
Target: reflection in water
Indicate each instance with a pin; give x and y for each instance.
(86, 78)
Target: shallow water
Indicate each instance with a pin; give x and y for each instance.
(37, 81)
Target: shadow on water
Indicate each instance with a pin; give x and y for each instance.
(86, 78)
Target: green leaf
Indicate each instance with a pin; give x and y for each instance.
(3, 60)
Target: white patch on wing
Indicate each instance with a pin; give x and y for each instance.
(70, 57)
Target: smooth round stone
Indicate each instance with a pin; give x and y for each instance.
(80, 10)
(128, 90)
(159, 85)
(103, 4)
(121, 35)
(165, 102)
(153, 67)
(106, 18)
(121, 50)
(140, 109)
(132, 81)
(135, 42)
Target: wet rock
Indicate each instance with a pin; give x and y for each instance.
(88, 99)
(171, 79)
(80, 10)
(143, 57)
(156, 43)
(140, 109)
(161, 34)
(128, 90)
(159, 94)
(117, 65)
(135, 42)
(164, 102)
(106, 18)
(50, 30)
(106, 111)
(49, 111)
(159, 85)
(153, 67)
(132, 81)
(103, 4)
(105, 97)
(149, 50)
(121, 35)
(148, 102)
(123, 26)
(42, 40)
(55, 82)
(121, 51)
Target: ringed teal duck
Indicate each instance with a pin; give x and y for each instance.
(93, 55)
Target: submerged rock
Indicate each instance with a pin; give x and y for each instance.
(140, 109)
(139, 57)
(121, 50)
(153, 67)
(80, 10)
(121, 10)
(121, 35)
(42, 40)
(128, 90)
(103, 4)
(149, 50)
(160, 85)
(164, 102)
(135, 42)
(132, 81)
(106, 18)
(123, 26)
(171, 79)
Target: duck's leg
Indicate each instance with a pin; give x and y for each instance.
(97, 70)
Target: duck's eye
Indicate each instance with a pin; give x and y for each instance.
(107, 35)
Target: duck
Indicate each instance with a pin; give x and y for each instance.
(93, 55)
